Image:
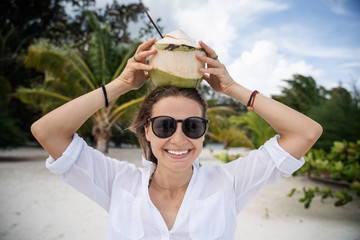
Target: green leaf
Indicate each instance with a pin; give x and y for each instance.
(292, 192)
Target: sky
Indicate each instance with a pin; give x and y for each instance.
(263, 42)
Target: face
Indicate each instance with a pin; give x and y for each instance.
(177, 152)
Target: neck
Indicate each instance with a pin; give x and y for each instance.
(172, 181)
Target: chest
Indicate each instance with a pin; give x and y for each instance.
(193, 215)
(168, 204)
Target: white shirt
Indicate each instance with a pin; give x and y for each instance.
(215, 194)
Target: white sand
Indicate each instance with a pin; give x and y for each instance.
(35, 204)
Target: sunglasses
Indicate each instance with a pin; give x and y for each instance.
(165, 126)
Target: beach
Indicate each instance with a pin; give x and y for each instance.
(36, 205)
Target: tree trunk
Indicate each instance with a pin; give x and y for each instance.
(102, 137)
(102, 145)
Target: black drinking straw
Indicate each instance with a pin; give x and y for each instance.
(152, 20)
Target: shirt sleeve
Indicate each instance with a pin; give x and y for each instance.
(259, 168)
(88, 170)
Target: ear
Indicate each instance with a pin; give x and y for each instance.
(147, 133)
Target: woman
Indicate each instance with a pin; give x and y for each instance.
(172, 197)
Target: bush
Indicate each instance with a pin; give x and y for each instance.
(340, 166)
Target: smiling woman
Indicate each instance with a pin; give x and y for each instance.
(173, 148)
(172, 197)
(160, 102)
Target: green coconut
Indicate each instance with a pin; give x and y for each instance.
(175, 63)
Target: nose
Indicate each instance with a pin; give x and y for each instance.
(178, 136)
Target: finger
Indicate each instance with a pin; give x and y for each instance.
(146, 45)
(211, 71)
(142, 66)
(209, 60)
(144, 54)
(209, 51)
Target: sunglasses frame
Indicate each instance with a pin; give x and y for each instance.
(205, 121)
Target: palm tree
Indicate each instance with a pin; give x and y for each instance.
(260, 130)
(69, 74)
(302, 93)
(222, 130)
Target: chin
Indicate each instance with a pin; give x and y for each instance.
(181, 167)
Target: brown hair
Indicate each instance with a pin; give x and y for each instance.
(145, 111)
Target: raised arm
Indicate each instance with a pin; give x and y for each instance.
(55, 130)
(298, 133)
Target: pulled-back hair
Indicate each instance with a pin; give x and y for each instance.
(145, 112)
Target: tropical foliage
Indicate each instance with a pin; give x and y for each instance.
(217, 99)
(341, 166)
(221, 129)
(61, 22)
(339, 117)
(69, 74)
(12, 111)
(259, 130)
(226, 157)
(336, 109)
(255, 132)
(302, 93)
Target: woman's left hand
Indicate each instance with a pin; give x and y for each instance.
(219, 78)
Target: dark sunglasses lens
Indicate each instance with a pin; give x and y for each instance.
(194, 127)
(164, 127)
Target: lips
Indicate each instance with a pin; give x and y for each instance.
(177, 153)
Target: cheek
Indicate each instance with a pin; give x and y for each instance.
(199, 143)
(201, 140)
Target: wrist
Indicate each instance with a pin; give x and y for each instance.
(240, 93)
(227, 90)
(115, 89)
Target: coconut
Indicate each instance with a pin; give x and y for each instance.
(175, 63)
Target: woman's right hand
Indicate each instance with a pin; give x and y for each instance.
(134, 75)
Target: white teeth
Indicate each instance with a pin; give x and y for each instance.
(178, 153)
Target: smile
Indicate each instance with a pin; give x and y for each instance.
(177, 153)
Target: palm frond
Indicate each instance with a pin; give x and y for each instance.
(45, 99)
(93, 21)
(122, 65)
(114, 113)
(100, 57)
(23, 92)
(261, 131)
(217, 110)
(116, 118)
(101, 54)
(64, 63)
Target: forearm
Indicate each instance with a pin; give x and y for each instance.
(297, 131)
(54, 131)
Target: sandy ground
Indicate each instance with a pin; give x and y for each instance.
(37, 205)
